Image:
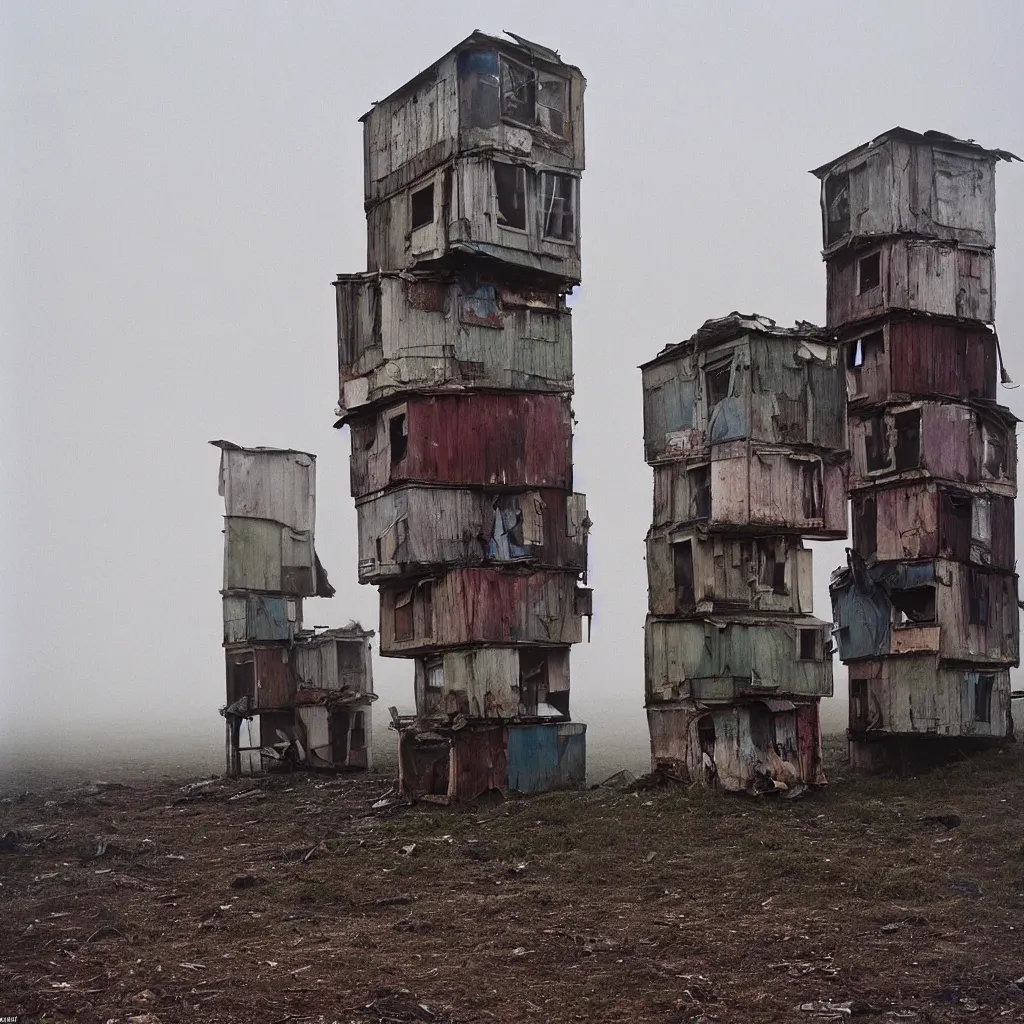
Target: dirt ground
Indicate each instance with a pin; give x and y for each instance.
(292, 899)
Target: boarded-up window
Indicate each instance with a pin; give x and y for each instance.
(983, 697)
(552, 104)
(837, 207)
(510, 192)
(398, 435)
(558, 206)
(682, 567)
(865, 526)
(810, 645)
(700, 492)
(908, 439)
(478, 89)
(811, 487)
(876, 443)
(978, 597)
(869, 272)
(518, 92)
(422, 207)
(913, 606)
(404, 627)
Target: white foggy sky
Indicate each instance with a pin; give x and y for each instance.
(183, 181)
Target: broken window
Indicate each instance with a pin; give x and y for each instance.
(994, 451)
(422, 205)
(908, 439)
(858, 703)
(682, 567)
(478, 89)
(865, 527)
(876, 443)
(716, 383)
(811, 486)
(434, 675)
(404, 627)
(914, 606)
(518, 92)
(810, 645)
(510, 190)
(399, 437)
(770, 571)
(978, 597)
(552, 104)
(533, 679)
(427, 604)
(869, 272)
(837, 206)
(557, 191)
(242, 681)
(700, 492)
(706, 737)
(983, 697)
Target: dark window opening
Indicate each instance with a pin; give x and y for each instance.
(837, 206)
(811, 482)
(350, 663)
(700, 492)
(908, 439)
(242, 681)
(994, 458)
(771, 572)
(518, 92)
(876, 443)
(682, 567)
(706, 736)
(858, 703)
(560, 702)
(427, 604)
(557, 198)
(422, 203)
(810, 645)
(716, 383)
(510, 188)
(955, 526)
(404, 627)
(978, 597)
(399, 437)
(914, 606)
(865, 351)
(983, 697)
(339, 737)
(434, 675)
(869, 272)
(478, 89)
(865, 527)
(533, 679)
(552, 103)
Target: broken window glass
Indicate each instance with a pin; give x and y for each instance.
(478, 89)
(983, 697)
(837, 206)
(399, 438)
(811, 483)
(716, 383)
(869, 272)
(810, 645)
(510, 190)
(552, 103)
(422, 207)
(700, 492)
(908, 439)
(518, 92)
(557, 203)
(914, 606)
(404, 628)
(876, 443)
(682, 566)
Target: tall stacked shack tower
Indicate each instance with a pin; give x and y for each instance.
(744, 426)
(294, 696)
(926, 611)
(455, 355)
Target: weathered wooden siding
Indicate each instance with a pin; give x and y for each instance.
(913, 696)
(275, 684)
(921, 358)
(755, 487)
(268, 484)
(546, 757)
(412, 529)
(397, 336)
(956, 445)
(923, 276)
(486, 440)
(781, 390)
(466, 221)
(260, 617)
(719, 660)
(331, 662)
(465, 607)
(260, 554)
(923, 520)
(729, 574)
(908, 187)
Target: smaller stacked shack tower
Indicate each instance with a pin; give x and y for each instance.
(455, 357)
(304, 696)
(926, 613)
(744, 426)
